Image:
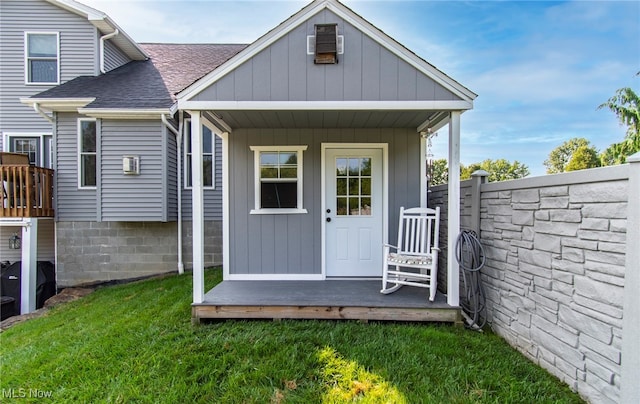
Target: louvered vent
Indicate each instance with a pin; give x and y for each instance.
(326, 47)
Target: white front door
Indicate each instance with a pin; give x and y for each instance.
(354, 212)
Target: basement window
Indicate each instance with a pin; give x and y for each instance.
(278, 179)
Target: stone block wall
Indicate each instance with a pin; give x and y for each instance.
(90, 252)
(555, 271)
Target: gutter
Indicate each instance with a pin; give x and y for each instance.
(178, 134)
(102, 40)
(37, 108)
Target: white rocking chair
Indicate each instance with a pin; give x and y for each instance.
(415, 260)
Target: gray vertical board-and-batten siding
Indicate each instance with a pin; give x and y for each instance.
(78, 56)
(366, 71)
(291, 244)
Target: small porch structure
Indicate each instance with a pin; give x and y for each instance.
(325, 300)
(276, 108)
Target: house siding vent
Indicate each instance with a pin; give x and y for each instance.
(326, 44)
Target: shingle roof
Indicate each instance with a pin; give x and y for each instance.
(148, 84)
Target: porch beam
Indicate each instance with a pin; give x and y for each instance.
(197, 207)
(453, 224)
(458, 105)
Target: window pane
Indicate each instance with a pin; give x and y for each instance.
(88, 136)
(268, 158)
(341, 186)
(288, 158)
(268, 172)
(43, 71)
(354, 166)
(207, 140)
(341, 167)
(365, 206)
(354, 206)
(188, 170)
(354, 186)
(341, 206)
(278, 195)
(365, 186)
(43, 45)
(289, 172)
(207, 171)
(88, 170)
(365, 167)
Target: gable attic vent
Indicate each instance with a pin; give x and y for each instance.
(326, 44)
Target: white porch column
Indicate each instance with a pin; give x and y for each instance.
(630, 372)
(453, 226)
(29, 271)
(197, 207)
(423, 172)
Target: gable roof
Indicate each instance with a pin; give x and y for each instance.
(105, 25)
(148, 84)
(349, 16)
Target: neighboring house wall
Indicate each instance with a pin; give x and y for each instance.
(366, 71)
(555, 271)
(46, 247)
(78, 56)
(212, 197)
(264, 244)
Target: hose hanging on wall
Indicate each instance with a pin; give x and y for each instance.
(471, 258)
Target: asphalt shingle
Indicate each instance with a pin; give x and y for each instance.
(148, 84)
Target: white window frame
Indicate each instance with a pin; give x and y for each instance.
(256, 176)
(80, 153)
(27, 58)
(186, 167)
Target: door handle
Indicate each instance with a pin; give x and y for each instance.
(328, 219)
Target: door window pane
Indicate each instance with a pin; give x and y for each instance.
(353, 186)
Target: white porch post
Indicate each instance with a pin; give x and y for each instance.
(423, 172)
(453, 226)
(29, 271)
(197, 207)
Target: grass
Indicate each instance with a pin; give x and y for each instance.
(135, 343)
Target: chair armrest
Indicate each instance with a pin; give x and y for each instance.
(390, 246)
(435, 248)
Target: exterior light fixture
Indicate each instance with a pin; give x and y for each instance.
(14, 242)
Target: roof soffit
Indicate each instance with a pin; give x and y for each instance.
(350, 17)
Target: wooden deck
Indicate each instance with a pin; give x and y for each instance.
(325, 300)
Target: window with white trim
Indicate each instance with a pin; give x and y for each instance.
(42, 57)
(208, 157)
(87, 156)
(278, 179)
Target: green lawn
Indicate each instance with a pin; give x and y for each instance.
(135, 343)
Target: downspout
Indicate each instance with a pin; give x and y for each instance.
(102, 39)
(37, 108)
(178, 135)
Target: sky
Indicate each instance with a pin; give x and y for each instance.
(540, 68)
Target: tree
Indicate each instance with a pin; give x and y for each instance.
(561, 155)
(438, 172)
(626, 105)
(583, 157)
(499, 170)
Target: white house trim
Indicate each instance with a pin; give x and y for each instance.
(115, 113)
(349, 16)
(323, 193)
(274, 277)
(325, 105)
(58, 104)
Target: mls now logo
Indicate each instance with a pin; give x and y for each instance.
(26, 393)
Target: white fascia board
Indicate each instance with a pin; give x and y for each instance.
(325, 105)
(257, 46)
(58, 104)
(114, 113)
(402, 52)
